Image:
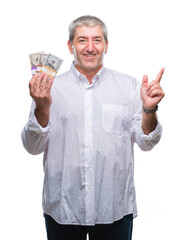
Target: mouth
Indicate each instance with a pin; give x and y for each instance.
(89, 55)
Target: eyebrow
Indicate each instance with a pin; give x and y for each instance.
(83, 37)
(99, 37)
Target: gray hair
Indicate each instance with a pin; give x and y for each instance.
(89, 21)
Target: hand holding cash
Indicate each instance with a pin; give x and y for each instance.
(42, 62)
(40, 87)
(44, 68)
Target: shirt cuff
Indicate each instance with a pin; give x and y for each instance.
(36, 127)
(153, 135)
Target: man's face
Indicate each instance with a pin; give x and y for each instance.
(88, 48)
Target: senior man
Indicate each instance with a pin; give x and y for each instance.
(86, 122)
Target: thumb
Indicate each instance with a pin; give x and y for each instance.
(145, 81)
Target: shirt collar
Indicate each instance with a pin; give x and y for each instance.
(82, 78)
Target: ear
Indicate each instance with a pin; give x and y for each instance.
(106, 47)
(70, 47)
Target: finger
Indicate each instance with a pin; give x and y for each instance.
(34, 77)
(44, 80)
(144, 84)
(43, 84)
(157, 93)
(38, 79)
(152, 88)
(159, 76)
(145, 80)
(34, 84)
(49, 84)
(151, 84)
(31, 82)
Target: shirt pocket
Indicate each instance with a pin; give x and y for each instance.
(114, 117)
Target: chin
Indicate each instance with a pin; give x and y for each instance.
(92, 65)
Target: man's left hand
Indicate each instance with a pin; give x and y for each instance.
(152, 93)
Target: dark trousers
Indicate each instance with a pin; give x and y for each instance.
(118, 230)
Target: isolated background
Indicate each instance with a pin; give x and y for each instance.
(144, 36)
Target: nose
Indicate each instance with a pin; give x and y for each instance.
(90, 46)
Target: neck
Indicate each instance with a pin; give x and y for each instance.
(89, 74)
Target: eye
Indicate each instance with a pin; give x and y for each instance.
(82, 41)
(97, 40)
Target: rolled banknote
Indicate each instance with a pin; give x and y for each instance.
(51, 65)
(34, 61)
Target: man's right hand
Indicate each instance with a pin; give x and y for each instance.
(40, 88)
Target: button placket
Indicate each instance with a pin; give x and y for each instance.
(89, 170)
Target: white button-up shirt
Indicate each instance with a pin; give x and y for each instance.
(88, 147)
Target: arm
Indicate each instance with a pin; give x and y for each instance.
(34, 136)
(40, 87)
(36, 131)
(151, 95)
(149, 122)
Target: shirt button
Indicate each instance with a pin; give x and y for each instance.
(88, 166)
(89, 187)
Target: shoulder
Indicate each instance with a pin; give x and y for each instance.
(61, 79)
(62, 76)
(122, 79)
(61, 82)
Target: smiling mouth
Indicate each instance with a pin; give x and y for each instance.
(89, 55)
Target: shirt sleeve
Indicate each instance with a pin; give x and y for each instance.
(145, 142)
(34, 136)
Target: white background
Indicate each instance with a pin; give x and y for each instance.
(143, 37)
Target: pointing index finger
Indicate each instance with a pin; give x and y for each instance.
(159, 76)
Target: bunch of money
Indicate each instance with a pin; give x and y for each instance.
(42, 62)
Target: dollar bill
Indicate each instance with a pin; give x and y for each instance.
(42, 59)
(51, 65)
(34, 61)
